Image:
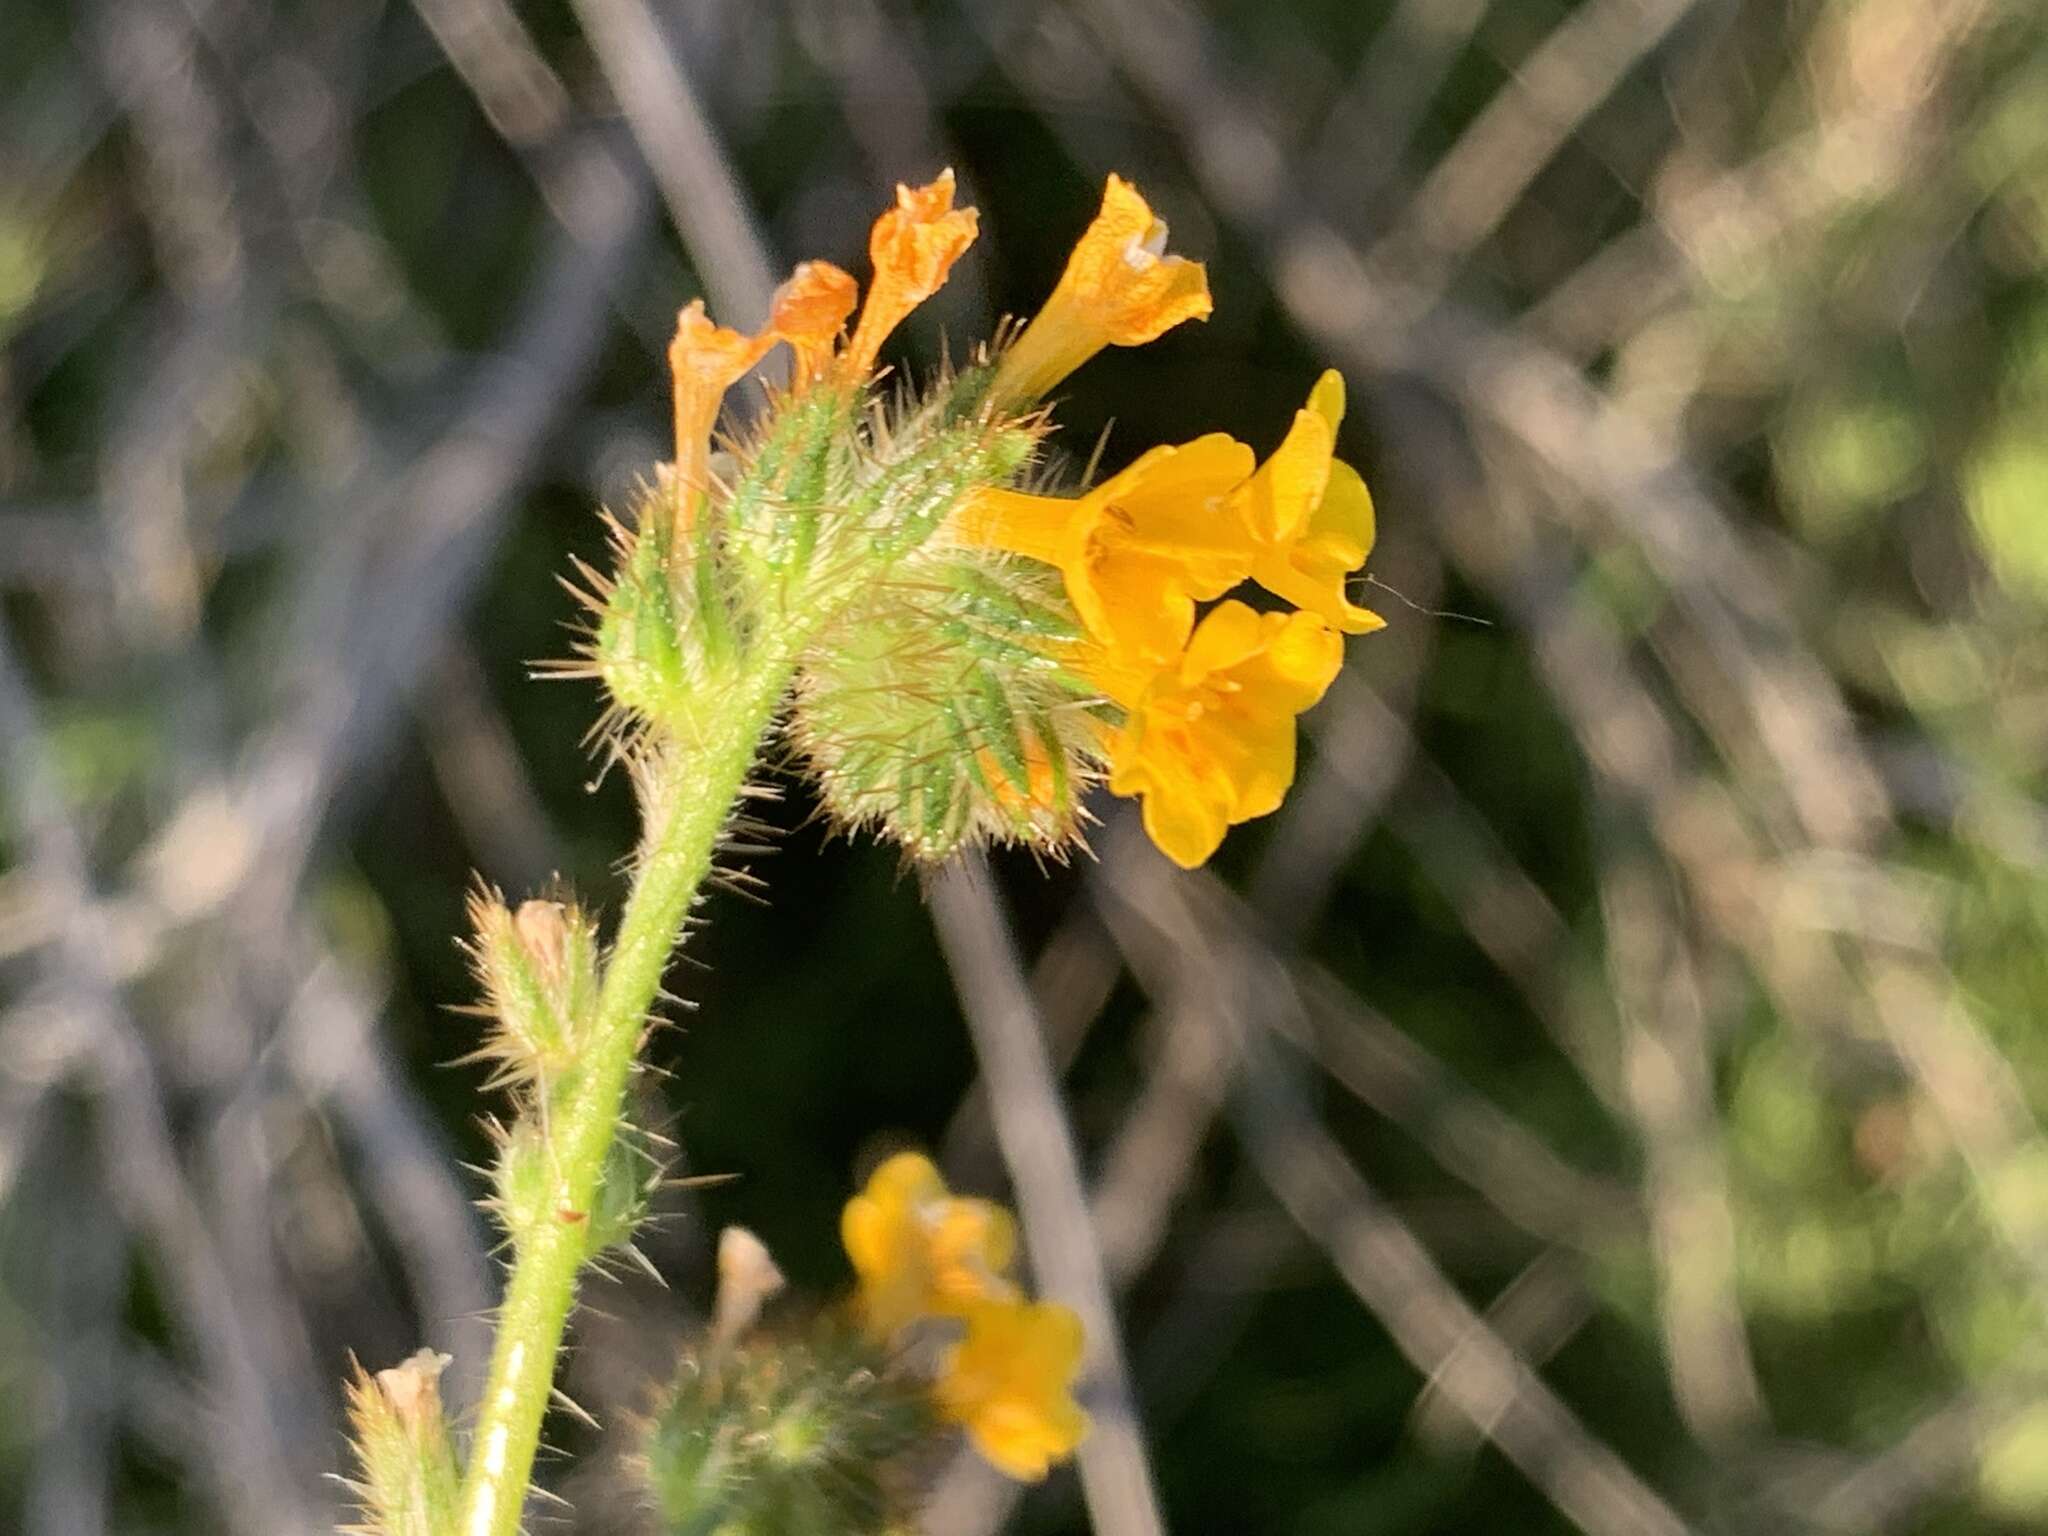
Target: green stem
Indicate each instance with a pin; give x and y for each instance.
(686, 801)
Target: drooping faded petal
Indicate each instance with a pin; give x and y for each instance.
(810, 312)
(705, 360)
(913, 247)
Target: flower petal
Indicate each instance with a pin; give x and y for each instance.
(1229, 636)
(1158, 538)
(1312, 570)
(1023, 524)
(921, 1251)
(1211, 741)
(1326, 398)
(1007, 1382)
(1281, 498)
(1119, 289)
(1312, 515)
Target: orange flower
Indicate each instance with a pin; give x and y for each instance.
(1119, 289)
(913, 247)
(809, 312)
(1209, 741)
(1141, 549)
(1312, 515)
(1009, 1381)
(920, 1250)
(704, 360)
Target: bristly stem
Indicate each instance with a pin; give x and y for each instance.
(688, 790)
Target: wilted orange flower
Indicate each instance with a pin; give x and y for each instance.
(1009, 1381)
(704, 360)
(913, 247)
(920, 1250)
(809, 312)
(1209, 741)
(1119, 289)
(1312, 515)
(1138, 551)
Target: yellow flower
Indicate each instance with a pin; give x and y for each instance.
(704, 360)
(809, 312)
(1312, 515)
(920, 1250)
(1141, 549)
(1009, 1380)
(1120, 289)
(913, 247)
(1209, 742)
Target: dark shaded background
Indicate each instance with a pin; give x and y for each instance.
(1606, 1098)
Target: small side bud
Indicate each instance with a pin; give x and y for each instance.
(524, 1182)
(561, 943)
(637, 650)
(623, 1191)
(667, 633)
(410, 1483)
(538, 967)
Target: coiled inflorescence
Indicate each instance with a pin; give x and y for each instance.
(968, 657)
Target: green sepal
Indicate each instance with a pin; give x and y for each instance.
(901, 508)
(638, 650)
(623, 1191)
(524, 1182)
(795, 478)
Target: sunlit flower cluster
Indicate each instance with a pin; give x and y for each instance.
(921, 1252)
(1208, 704)
(1168, 688)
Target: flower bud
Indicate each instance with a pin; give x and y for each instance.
(526, 1189)
(538, 967)
(410, 1482)
(653, 641)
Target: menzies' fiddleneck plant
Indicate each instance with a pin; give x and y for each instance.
(865, 576)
